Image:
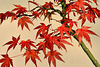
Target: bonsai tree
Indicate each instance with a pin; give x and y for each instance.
(51, 39)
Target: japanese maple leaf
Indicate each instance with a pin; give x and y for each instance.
(42, 28)
(48, 5)
(65, 29)
(94, 11)
(52, 56)
(12, 43)
(44, 8)
(70, 22)
(1, 17)
(27, 43)
(83, 32)
(19, 9)
(48, 40)
(31, 54)
(60, 42)
(36, 14)
(90, 16)
(80, 4)
(14, 17)
(42, 46)
(95, 2)
(69, 7)
(4, 16)
(6, 61)
(48, 15)
(23, 22)
(33, 2)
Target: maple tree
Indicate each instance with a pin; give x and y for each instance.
(51, 37)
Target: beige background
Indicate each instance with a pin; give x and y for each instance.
(75, 56)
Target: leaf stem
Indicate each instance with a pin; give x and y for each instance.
(16, 56)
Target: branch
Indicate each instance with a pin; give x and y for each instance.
(86, 50)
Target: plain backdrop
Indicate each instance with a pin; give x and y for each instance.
(74, 57)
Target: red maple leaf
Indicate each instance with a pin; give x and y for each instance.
(83, 32)
(80, 4)
(33, 2)
(69, 7)
(44, 8)
(6, 61)
(90, 16)
(31, 54)
(23, 22)
(42, 46)
(12, 43)
(4, 16)
(48, 5)
(94, 11)
(42, 28)
(14, 17)
(51, 57)
(27, 43)
(65, 29)
(49, 15)
(36, 14)
(95, 2)
(19, 9)
(70, 22)
(59, 41)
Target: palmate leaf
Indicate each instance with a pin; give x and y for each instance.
(81, 4)
(60, 42)
(50, 41)
(33, 55)
(6, 61)
(36, 14)
(23, 22)
(42, 45)
(44, 8)
(65, 29)
(70, 22)
(19, 9)
(12, 43)
(49, 15)
(42, 29)
(90, 16)
(27, 43)
(33, 2)
(95, 1)
(83, 32)
(52, 56)
(6, 15)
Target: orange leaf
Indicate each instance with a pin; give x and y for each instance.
(31, 54)
(19, 9)
(51, 57)
(6, 61)
(12, 43)
(65, 29)
(42, 28)
(23, 22)
(83, 32)
(27, 43)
